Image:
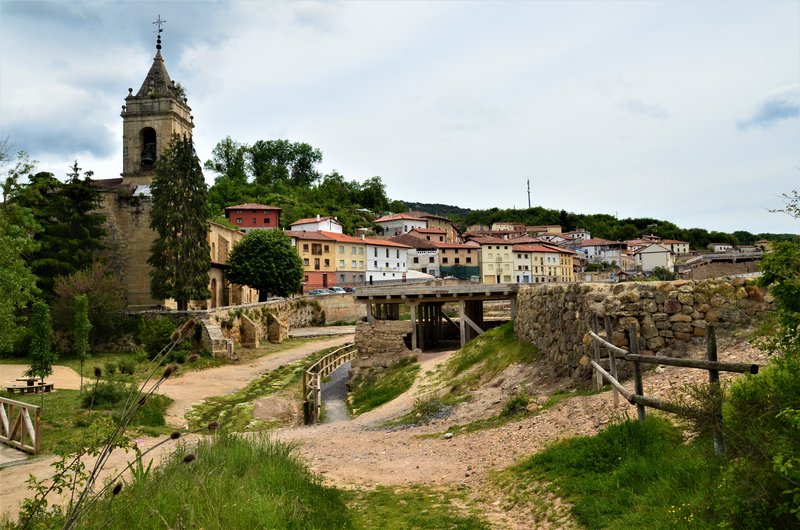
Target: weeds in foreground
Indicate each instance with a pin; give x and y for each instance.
(72, 476)
(380, 387)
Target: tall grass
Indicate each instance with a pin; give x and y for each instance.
(631, 475)
(225, 482)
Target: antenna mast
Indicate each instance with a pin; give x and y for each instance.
(529, 194)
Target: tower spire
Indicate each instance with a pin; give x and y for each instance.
(158, 23)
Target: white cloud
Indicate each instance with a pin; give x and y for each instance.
(777, 105)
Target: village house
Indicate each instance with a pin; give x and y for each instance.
(543, 264)
(497, 260)
(578, 233)
(540, 230)
(325, 224)
(502, 226)
(319, 258)
(386, 260)
(599, 250)
(452, 234)
(677, 247)
(400, 223)
(423, 255)
(251, 216)
(430, 234)
(459, 260)
(652, 256)
(350, 259)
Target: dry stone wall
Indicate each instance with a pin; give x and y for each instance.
(381, 344)
(666, 315)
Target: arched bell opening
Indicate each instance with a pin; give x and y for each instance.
(147, 136)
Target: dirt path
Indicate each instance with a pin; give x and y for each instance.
(360, 454)
(62, 376)
(193, 387)
(186, 390)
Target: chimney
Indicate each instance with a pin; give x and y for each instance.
(362, 236)
(317, 217)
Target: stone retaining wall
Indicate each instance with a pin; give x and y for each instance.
(381, 344)
(667, 315)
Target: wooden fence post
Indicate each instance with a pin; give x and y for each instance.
(598, 377)
(713, 380)
(633, 337)
(612, 361)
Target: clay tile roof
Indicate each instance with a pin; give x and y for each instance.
(437, 231)
(342, 238)
(303, 234)
(440, 244)
(252, 206)
(398, 216)
(414, 242)
(596, 241)
(310, 220)
(491, 241)
(383, 243)
(535, 248)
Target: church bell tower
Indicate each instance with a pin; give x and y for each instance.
(149, 119)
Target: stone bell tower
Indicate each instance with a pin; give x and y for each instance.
(149, 119)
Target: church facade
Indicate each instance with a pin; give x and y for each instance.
(150, 117)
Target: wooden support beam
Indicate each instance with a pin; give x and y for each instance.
(413, 327)
(462, 324)
(472, 324)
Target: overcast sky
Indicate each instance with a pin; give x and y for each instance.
(686, 111)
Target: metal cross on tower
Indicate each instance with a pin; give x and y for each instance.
(160, 22)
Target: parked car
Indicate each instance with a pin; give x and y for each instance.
(348, 289)
(337, 290)
(319, 292)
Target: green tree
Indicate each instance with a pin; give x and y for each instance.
(106, 302)
(72, 231)
(275, 161)
(180, 255)
(266, 260)
(41, 354)
(82, 329)
(17, 281)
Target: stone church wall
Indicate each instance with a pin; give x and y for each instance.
(667, 315)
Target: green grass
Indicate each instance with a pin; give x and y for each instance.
(631, 475)
(234, 412)
(66, 425)
(231, 483)
(416, 507)
(383, 386)
(487, 355)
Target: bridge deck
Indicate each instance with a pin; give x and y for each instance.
(407, 294)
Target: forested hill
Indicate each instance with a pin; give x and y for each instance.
(599, 225)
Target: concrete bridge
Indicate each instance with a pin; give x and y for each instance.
(425, 305)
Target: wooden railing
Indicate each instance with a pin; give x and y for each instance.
(637, 397)
(313, 376)
(17, 427)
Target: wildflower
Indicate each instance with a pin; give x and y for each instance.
(169, 370)
(193, 357)
(117, 488)
(98, 371)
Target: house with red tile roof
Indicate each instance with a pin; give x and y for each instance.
(251, 216)
(543, 263)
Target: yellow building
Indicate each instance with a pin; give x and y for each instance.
(350, 258)
(497, 260)
(221, 240)
(319, 258)
(540, 263)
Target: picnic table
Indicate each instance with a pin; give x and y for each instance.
(31, 386)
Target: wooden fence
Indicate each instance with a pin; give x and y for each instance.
(17, 428)
(637, 397)
(313, 376)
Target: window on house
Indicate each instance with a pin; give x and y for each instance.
(327, 248)
(387, 264)
(375, 252)
(341, 249)
(444, 260)
(341, 263)
(353, 264)
(353, 250)
(376, 264)
(238, 220)
(469, 260)
(361, 264)
(361, 250)
(387, 252)
(255, 221)
(457, 261)
(305, 279)
(491, 267)
(327, 263)
(428, 238)
(266, 220)
(398, 253)
(305, 262)
(430, 260)
(416, 259)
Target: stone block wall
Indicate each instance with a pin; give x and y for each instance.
(381, 344)
(715, 269)
(667, 315)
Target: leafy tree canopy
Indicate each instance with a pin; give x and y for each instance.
(180, 255)
(266, 260)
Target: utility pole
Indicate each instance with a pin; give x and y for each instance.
(529, 194)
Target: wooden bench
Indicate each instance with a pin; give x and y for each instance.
(30, 389)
